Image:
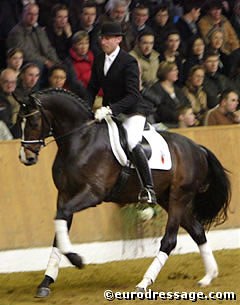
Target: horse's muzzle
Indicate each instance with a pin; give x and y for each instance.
(28, 157)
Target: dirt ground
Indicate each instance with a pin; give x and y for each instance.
(76, 287)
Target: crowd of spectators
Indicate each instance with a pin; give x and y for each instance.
(188, 54)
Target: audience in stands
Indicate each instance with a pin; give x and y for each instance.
(117, 11)
(9, 106)
(187, 24)
(193, 90)
(15, 58)
(172, 53)
(161, 24)
(32, 39)
(214, 82)
(147, 58)
(186, 117)
(28, 81)
(166, 96)
(225, 113)
(85, 20)
(60, 31)
(40, 33)
(194, 55)
(215, 19)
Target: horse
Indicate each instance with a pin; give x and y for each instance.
(195, 191)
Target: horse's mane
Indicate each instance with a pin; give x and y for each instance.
(50, 91)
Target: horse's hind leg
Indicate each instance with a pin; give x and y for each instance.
(196, 231)
(177, 205)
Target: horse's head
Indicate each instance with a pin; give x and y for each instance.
(33, 131)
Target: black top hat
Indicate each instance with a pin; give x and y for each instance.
(111, 29)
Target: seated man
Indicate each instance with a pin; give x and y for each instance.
(225, 113)
(32, 39)
(147, 58)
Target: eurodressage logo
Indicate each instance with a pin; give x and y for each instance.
(170, 295)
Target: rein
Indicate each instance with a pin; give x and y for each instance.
(42, 141)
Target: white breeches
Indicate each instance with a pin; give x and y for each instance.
(134, 125)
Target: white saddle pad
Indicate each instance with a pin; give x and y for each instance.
(160, 158)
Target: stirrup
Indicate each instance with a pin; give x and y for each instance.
(147, 195)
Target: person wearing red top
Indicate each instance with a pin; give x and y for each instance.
(80, 57)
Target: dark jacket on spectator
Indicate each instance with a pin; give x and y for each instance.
(165, 107)
(214, 85)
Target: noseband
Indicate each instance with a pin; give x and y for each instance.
(26, 142)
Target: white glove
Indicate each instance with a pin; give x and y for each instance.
(102, 113)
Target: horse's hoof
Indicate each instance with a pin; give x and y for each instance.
(207, 279)
(75, 259)
(42, 292)
(140, 289)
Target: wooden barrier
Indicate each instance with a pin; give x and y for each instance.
(28, 195)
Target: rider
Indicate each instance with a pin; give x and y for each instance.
(117, 73)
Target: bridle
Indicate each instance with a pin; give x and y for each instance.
(40, 141)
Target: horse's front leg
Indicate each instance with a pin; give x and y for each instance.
(81, 201)
(52, 270)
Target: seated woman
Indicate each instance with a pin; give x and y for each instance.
(195, 55)
(15, 59)
(58, 77)
(166, 96)
(216, 40)
(196, 95)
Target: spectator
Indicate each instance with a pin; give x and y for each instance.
(57, 76)
(194, 55)
(27, 81)
(117, 11)
(86, 21)
(215, 19)
(166, 96)
(147, 58)
(173, 54)
(10, 14)
(187, 24)
(5, 133)
(235, 19)
(140, 16)
(15, 59)
(196, 95)
(9, 106)
(225, 113)
(215, 38)
(186, 117)
(81, 58)
(161, 24)
(32, 39)
(214, 82)
(60, 31)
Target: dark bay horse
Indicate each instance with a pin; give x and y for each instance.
(195, 192)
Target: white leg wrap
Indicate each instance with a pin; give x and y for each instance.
(53, 263)
(153, 271)
(210, 265)
(63, 241)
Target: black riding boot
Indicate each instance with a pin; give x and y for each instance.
(147, 194)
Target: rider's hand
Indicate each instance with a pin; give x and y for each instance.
(102, 113)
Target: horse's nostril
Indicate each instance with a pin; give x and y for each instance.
(31, 160)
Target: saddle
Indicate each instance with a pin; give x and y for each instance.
(154, 145)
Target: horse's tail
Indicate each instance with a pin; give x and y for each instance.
(211, 206)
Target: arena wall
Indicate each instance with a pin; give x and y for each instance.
(28, 195)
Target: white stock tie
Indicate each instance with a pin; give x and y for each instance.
(107, 64)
